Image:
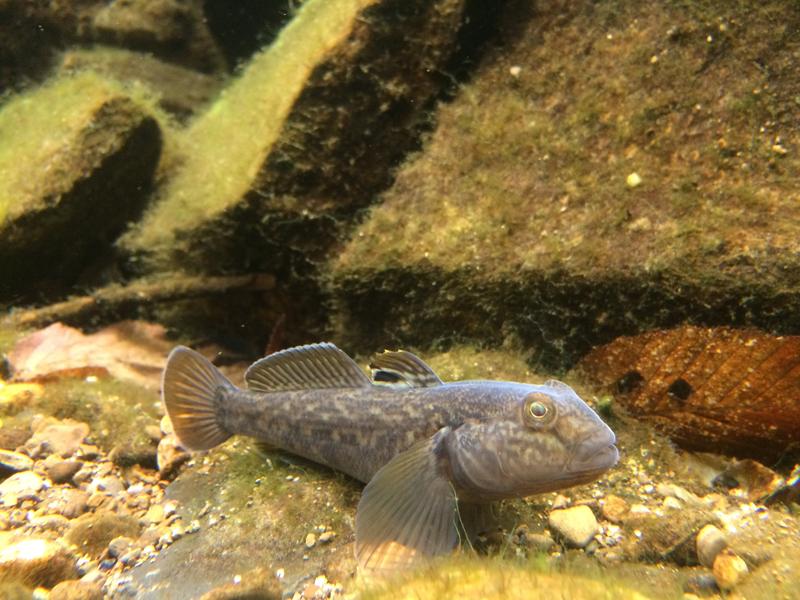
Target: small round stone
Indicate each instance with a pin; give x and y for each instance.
(710, 542)
(311, 540)
(576, 525)
(614, 508)
(729, 569)
(14, 462)
(63, 471)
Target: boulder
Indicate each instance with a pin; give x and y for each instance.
(520, 218)
(76, 161)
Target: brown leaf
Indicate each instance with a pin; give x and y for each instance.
(129, 350)
(734, 391)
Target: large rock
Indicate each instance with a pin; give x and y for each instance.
(35, 561)
(594, 181)
(172, 29)
(76, 160)
(300, 140)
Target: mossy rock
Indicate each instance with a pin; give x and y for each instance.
(496, 579)
(76, 161)
(91, 533)
(518, 218)
(302, 138)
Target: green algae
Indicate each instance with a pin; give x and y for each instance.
(35, 124)
(116, 412)
(469, 577)
(517, 218)
(231, 140)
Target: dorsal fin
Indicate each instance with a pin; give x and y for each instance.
(398, 367)
(315, 366)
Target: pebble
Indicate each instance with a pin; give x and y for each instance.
(170, 456)
(110, 485)
(36, 561)
(51, 436)
(633, 180)
(120, 545)
(560, 502)
(540, 542)
(20, 486)
(14, 462)
(326, 536)
(63, 471)
(729, 569)
(311, 540)
(577, 525)
(701, 585)
(155, 514)
(614, 508)
(67, 502)
(77, 589)
(710, 542)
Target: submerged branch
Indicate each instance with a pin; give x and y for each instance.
(116, 298)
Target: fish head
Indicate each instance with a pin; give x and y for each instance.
(546, 438)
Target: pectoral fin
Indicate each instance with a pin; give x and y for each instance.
(408, 510)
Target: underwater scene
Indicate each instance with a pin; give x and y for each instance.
(399, 299)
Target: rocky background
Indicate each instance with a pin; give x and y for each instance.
(605, 191)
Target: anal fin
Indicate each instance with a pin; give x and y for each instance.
(408, 510)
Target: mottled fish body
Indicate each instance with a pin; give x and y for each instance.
(423, 447)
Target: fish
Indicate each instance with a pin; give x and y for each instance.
(433, 455)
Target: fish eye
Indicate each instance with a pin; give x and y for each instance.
(539, 409)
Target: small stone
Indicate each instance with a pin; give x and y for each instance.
(36, 562)
(540, 542)
(110, 485)
(672, 503)
(119, 546)
(14, 462)
(155, 514)
(20, 486)
(577, 525)
(57, 523)
(166, 425)
(729, 569)
(130, 558)
(633, 180)
(63, 471)
(614, 508)
(77, 590)
(53, 436)
(701, 585)
(154, 433)
(170, 456)
(710, 542)
(560, 502)
(326, 536)
(515, 71)
(311, 540)
(68, 502)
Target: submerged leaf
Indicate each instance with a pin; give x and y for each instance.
(129, 350)
(734, 391)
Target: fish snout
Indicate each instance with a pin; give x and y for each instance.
(596, 452)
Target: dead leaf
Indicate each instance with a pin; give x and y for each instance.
(732, 391)
(130, 350)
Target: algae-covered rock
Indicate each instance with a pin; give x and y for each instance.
(305, 134)
(520, 216)
(172, 29)
(496, 580)
(35, 561)
(76, 159)
(180, 90)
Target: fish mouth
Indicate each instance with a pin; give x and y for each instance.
(594, 455)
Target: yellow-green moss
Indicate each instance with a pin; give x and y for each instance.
(230, 142)
(115, 411)
(529, 171)
(469, 577)
(37, 129)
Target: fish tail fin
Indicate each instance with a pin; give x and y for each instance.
(190, 388)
